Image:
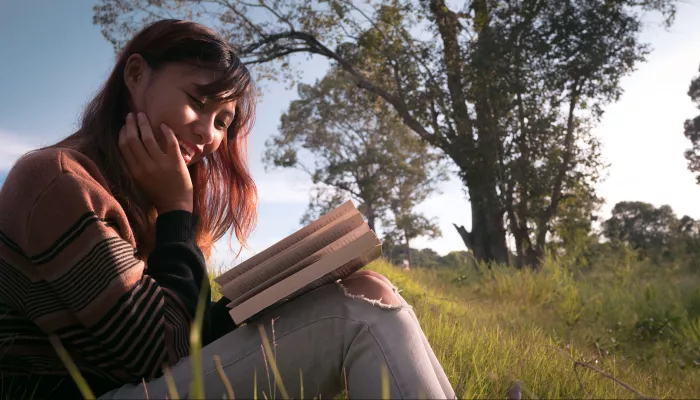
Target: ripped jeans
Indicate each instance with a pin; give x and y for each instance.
(325, 342)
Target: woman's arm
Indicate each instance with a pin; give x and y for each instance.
(176, 249)
(220, 320)
(107, 307)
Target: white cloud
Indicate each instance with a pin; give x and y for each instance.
(223, 255)
(450, 206)
(12, 146)
(283, 187)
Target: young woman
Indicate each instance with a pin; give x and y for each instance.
(104, 239)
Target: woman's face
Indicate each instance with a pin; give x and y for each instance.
(170, 96)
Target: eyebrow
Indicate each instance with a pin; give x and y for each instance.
(228, 114)
(225, 113)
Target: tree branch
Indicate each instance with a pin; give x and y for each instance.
(279, 55)
(445, 20)
(605, 374)
(242, 16)
(563, 168)
(281, 18)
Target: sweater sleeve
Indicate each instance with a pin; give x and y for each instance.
(123, 318)
(176, 248)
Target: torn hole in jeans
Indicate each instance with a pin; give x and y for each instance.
(374, 302)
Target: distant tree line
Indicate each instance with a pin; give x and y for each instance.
(655, 232)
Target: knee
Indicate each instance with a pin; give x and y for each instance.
(377, 275)
(372, 286)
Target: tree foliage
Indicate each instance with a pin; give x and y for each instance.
(655, 232)
(692, 130)
(641, 225)
(352, 145)
(413, 181)
(508, 90)
(428, 258)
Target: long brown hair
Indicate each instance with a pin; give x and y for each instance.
(225, 196)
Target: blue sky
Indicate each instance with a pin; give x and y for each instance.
(54, 59)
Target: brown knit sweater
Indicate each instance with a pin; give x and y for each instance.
(67, 267)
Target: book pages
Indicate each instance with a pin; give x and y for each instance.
(294, 254)
(344, 271)
(305, 277)
(285, 243)
(336, 274)
(246, 291)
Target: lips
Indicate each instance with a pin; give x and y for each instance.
(188, 151)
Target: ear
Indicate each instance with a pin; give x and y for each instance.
(136, 73)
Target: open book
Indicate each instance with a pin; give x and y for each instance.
(330, 248)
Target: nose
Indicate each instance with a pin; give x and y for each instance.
(205, 130)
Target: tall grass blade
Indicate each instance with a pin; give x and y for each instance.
(145, 388)
(197, 378)
(301, 383)
(71, 367)
(224, 378)
(273, 362)
(267, 368)
(170, 384)
(385, 382)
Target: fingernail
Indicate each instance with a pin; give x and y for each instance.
(141, 115)
(130, 115)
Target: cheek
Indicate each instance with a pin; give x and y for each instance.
(213, 147)
(210, 149)
(163, 110)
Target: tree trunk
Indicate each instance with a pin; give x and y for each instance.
(488, 233)
(551, 211)
(487, 239)
(465, 235)
(371, 217)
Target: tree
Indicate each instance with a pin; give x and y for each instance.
(324, 199)
(689, 231)
(692, 130)
(412, 183)
(563, 63)
(642, 226)
(655, 232)
(360, 150)
(572, 231)
(445, 70)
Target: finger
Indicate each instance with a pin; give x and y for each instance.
(125, 150)
(147, 137)
(141, 156)
(172, 147)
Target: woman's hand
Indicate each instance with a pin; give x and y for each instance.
(161, 175)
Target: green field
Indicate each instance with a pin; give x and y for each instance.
(638, 323)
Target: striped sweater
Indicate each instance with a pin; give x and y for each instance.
(68, 268)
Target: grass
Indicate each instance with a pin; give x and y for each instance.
(492, 327)
(624, 329)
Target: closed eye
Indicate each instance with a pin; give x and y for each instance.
(198, 103)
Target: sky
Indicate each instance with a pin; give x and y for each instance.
(54, 60)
